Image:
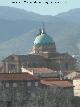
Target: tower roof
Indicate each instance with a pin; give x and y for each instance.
(43, 38)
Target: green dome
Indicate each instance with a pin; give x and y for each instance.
(43, 39)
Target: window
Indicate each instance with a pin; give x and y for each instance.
(36, 84)
(7, 84)
(3, 94)
(8, 104)
(13, 66)
(28, 84)
(18, 94)
(32, 94)
(14, 84)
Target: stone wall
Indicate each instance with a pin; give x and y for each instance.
(76, 101)
(29, 94)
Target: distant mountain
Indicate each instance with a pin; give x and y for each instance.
(10, 29)
(71, 16)
(18, 28)
(20, 14)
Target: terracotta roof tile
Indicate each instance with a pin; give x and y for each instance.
(59, 83)
(77, 77)
(41, 70)
(17, 76)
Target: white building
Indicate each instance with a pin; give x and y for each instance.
(76, 83)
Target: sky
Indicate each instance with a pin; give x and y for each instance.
(43, 8)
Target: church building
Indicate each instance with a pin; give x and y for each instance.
(43, 55)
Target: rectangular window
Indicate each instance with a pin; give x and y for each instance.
(7, 84)
(36, 84)
(14, 84)
(28, 84)
(32, 94)
(13, 66)
(8, 104)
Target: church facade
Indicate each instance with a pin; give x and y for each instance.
(43, 55)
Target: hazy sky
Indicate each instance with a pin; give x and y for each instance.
(43, 8)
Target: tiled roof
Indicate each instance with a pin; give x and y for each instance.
(17, 76)
(23, 58)
(58, 83)
(41, 70)
(67, 72)
(77, 77)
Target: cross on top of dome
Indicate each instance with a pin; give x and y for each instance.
(43, 29)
